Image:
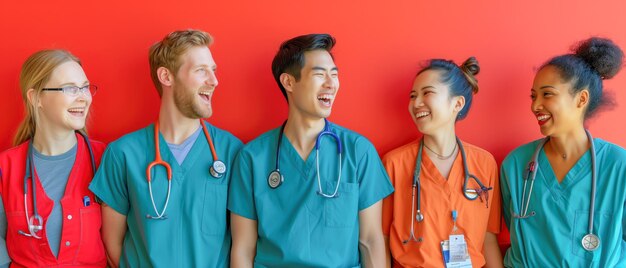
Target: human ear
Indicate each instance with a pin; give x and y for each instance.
(32, 97)
(583, 98)
(287, 81)
(165, 76)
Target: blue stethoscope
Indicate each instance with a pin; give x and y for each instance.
(35, 223)
(470, 194)
(590, 241)
(217, 169)
(275, 178)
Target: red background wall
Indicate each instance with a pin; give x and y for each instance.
(380, 48)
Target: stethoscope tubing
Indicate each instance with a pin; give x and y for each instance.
(30, 174)
(158, 161)
(275, 178)
(531, 174)
(416, 186)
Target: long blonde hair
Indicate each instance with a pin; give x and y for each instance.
(36, 72)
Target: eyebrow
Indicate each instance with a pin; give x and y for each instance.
(318, 68)
(543, 87)
(73, 84)
(214, 66)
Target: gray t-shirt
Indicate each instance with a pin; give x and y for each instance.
(180, 151)
(53, 172)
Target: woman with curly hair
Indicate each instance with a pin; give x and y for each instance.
(563, 195)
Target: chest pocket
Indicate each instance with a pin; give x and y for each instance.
(91, 247)
(603, 224)
(214, 209)
(341, 211)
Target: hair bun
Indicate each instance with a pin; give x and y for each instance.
(470, 66)
(602, 55)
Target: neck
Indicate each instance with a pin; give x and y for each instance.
(442, 143)
(570, 145)
(173, 125)
(302, 133)
(49, 142)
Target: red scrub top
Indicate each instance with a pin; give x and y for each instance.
(81, 243)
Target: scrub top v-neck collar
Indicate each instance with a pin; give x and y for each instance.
(178, 170)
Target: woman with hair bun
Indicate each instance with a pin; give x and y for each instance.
(564, 195)
(445, 210)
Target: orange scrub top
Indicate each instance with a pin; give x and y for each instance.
(439, 197)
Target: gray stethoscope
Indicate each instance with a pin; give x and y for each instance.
(217, 169)
(275, 178)
(590, 241)
(35, 223)
(470, 194)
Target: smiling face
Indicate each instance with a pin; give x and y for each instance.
(556, 109)
(195, 82)
(431, 106)
(314, 94)
(55, 109)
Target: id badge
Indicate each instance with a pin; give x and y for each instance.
(455, 253)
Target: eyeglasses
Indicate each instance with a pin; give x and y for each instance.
(73, 91)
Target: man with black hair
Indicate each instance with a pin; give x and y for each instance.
(308, 194)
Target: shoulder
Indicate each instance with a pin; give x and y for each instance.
(13, 152)
(97, 147)
(478, 154)
(611, 151)
(265, 141)
(223, 135)
(408, 150)
(134, 142)
(521, 154)
(351, 139)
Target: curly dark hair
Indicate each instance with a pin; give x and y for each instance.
(593, 60)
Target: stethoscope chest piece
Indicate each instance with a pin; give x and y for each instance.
(419, 216)
(590, 242)
(218, 168)
(275, 179)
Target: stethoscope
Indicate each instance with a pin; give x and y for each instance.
(217, 169)
(275, 178)
(35, 223)
(590, 241)
(470, 194)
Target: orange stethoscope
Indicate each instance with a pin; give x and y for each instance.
(217, 169)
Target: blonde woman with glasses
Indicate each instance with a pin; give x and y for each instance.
(49, 216)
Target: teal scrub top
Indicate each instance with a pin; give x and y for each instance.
(552, 237)
(296, 226)
(195, 233)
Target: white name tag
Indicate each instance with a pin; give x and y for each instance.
(455, 253)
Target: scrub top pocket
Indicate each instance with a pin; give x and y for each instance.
(214, 209)
(342, 210)
(91, 247)
(603, 224)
